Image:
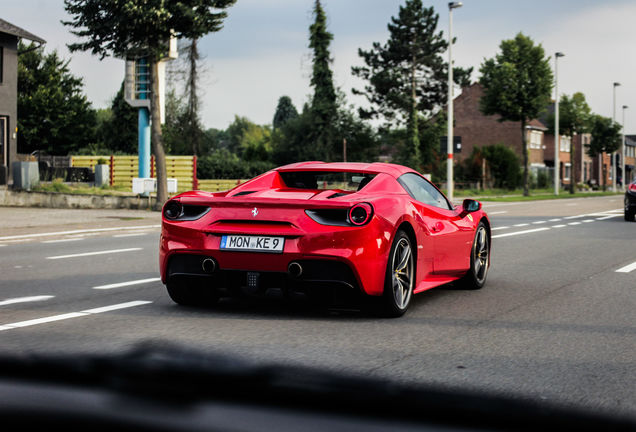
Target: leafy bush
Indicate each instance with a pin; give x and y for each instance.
(222, 164)
(504, 166)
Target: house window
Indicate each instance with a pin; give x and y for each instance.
(1, 63)
(535, 139)
(4, 139)
(564, 143)
(568, 170)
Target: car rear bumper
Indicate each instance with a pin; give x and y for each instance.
(350, 259)
(327, 278)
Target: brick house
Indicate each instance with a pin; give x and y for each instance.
(9, 37)
(581, 171)
(479, 130)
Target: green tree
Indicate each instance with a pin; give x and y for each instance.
(235, 132)
(606, 138)
(574, 118)
(143, 28)
(191, 119)
(407, 76)
(256, 143)
(517, 84)
(285, 111)
(174, 130)
(54, 115)
(323, 103)
(504, 165)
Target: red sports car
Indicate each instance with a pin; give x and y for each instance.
(377, 229)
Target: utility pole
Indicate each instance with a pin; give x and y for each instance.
(613, 155)
(623, 177)
(449, 141)
(557, 135)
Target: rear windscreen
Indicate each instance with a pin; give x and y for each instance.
(343, 180)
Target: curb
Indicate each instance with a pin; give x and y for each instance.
(12, 198)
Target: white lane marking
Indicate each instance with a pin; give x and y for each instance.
(123, 284)
(627, 268)
(17, 241)
(94, 230)
(93, 253)
(555, 220)
(130, 235)
(25, 299)
(588, 220)
(497, 212)
(522, 224)
(571, 204)
(520, 232)
(538, 222)
(575, 217)
(500, 228)
(63, 240)
(42, 320)
(608, 217)
(558, 226)
(574, 223)
(72, 315)
(116, 307)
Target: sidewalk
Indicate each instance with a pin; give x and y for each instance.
(31, 220)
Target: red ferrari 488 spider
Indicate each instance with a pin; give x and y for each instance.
(308, 228)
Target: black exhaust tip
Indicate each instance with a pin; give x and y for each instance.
(295, 269)
(208, 265)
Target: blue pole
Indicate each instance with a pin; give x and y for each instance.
(144, 143)
(143, 75)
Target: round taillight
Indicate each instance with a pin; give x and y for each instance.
(632, 187)
(173, 210)
(360, 214)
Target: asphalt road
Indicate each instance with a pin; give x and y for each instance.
(555, 321)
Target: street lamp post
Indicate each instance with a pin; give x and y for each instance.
(449, 138)
(557, 135)
(613, 155)
(623, 150)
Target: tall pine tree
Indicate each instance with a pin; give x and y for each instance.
(407, 76)
(192, 119)
(324, 108)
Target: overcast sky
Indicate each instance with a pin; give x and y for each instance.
(262, 52)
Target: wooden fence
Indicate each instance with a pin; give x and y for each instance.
(184, 168)
(124, 168)
(218, 185)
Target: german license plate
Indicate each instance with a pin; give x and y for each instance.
(253, 243)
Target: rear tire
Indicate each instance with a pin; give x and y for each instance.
(190, 292)
(475, 278)
(630, 215)
(400, 277)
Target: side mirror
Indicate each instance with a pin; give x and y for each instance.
(471, 206)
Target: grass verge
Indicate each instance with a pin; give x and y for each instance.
(59, 186)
